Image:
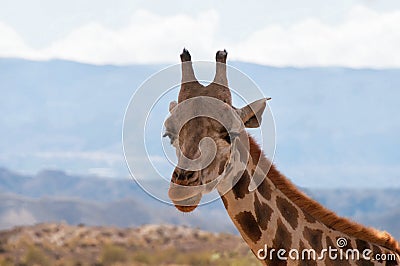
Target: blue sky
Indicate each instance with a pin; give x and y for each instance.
(358, 33)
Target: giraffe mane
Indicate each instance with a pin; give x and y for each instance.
(320, 213)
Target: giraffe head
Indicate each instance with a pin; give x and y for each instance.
(203, 127)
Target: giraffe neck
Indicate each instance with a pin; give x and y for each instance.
(269, 220)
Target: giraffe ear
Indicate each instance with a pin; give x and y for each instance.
(251, 114)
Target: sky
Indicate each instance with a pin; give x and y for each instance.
(350, 33)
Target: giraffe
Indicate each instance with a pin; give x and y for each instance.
(280, 224)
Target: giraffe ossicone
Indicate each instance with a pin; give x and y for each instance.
(268, 210)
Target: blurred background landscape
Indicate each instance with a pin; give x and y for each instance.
(68, 71)
(62, 160)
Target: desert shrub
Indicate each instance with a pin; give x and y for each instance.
(35, 256)
(151, 257)
(5, 261)
(245, 262)
(193, 258)
(143, 258)
(112, 254)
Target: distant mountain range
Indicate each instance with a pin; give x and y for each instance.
(54, 196)
(335, 127)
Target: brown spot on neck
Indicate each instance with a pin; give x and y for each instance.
(364, 262)
(314, 238)
(265, 190)
(361, 246)
(392, 262)
(329, 242)
(288, 211)
(263, 212)
(377, 250)
(348, 246)
(307, 261)
(282, 240)
(333, 262)
(249, 226)
(309, 218)
(241, 188)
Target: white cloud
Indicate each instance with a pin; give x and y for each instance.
(147, 39)
(11, 44)
(103, 172)
(17, 217)
(95, 156)
(364, 38)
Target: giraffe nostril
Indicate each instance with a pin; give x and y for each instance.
(189, 175)
(175, 175)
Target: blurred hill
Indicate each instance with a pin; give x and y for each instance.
(62, 244)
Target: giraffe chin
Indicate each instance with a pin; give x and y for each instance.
(189, 204)
(185, 208)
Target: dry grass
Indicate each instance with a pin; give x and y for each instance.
(64, 245)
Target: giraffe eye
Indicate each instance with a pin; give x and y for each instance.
(226, 137)
(229, 136)
(170, 135)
